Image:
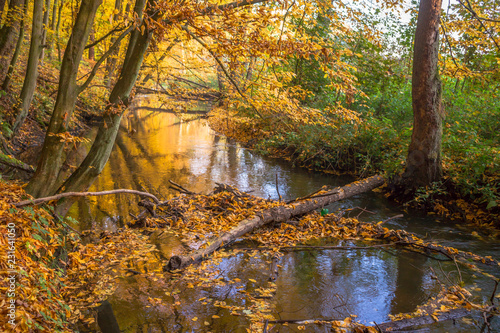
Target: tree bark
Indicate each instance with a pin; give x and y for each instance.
(8, 34)
(277, 214)
(423, 164)
(29, 84)
(44, 182)
(92, 49)
(2, 7)
(53, 19)
(19, 44)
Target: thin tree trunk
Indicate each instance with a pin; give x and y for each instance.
(423, 164)
(19, 44)
(2, 7)
(8, 34)
(45, 27)
(111, 62)
(92, 49)
(57, 30)
(53, 19)
(29, 84)
(44, 181)
(277, 214)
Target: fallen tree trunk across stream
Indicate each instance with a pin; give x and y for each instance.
(277, 214)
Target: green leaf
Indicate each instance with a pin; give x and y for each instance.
(491, 204)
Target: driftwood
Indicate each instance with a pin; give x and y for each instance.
(83, 194)
(277, 214)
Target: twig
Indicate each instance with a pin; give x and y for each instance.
(492, 298)
(179, 188)
(313, 195)
(458, 269)
(392, 218)
(223, 69)
(277, 189)
(83, 194)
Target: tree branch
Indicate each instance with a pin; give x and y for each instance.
(83, 194)
(223, 69)
(116, 29)
(110, 51)
(480, 20)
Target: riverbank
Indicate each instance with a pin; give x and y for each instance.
(27, 144)
(468, 193)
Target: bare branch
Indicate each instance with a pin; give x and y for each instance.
(480, 20)
(110, 51)
(116, 29)
(83, 194)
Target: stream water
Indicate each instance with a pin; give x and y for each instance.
(153, 148)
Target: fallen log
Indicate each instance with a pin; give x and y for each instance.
(276, 214)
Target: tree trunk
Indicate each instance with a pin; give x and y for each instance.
(44, 181)
(45, 27)
(277, 214)
(423, 164)
(53, 19)
(8, 34)
(31, 75)
(19, 44)
(98, 155)
(58, 24)
(2, 7)
(111, 61)
(92, 49)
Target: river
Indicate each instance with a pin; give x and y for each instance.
(155, 147)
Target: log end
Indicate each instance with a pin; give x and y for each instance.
(175, 262)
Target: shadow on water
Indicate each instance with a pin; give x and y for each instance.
(153, 148)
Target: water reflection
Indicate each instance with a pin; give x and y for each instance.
(153, 148)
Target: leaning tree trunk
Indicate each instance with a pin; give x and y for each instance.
(98, 155)
(29, 84)
(44, 181)
(423, 164)
(8, 33)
